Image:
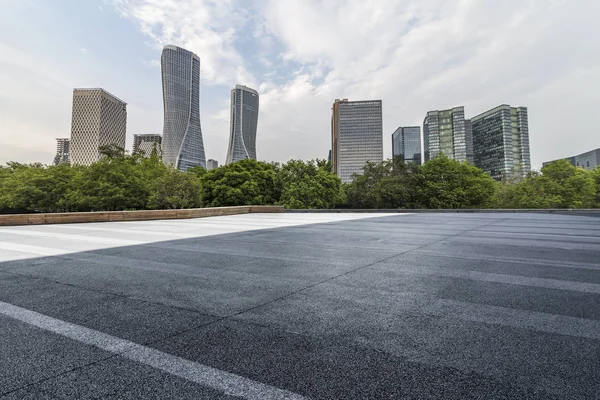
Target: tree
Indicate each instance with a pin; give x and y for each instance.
(559, 185)
(197, 170)
(446, 183)
(36, 187)
(385, 185)
(175, 190)
(116, 182)
(244, 182)
(307, 185)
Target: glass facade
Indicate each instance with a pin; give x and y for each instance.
(406, 143)
(445, 131)
(243, 124)
(469, 140)
(588, 160)
(357, 136)
(501, 141)
(182, 145)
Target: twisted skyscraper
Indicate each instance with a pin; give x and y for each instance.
(244, 120)
(182, 144)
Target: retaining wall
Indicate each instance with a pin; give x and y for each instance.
(106, 216)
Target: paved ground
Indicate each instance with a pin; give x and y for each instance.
(427, 306)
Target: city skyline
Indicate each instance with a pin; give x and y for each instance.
(299, 70)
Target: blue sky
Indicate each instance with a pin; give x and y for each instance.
(415, 55)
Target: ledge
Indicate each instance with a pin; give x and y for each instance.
(143, 215)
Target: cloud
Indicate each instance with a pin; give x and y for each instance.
(415, 55)
(83, 50)
(206, 27)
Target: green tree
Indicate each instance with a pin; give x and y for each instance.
(307, 184)
(197, 170)
(175, 190)
(36, 187)
(245, 182)
(574, 185)
(116, 182)
(533, 191)
(446, 183)
(385, 185)
(559, 185)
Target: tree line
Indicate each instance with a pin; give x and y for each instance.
(122, 181)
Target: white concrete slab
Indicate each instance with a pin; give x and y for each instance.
(24, 242)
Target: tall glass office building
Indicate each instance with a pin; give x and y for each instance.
(444, 131)
(244, 121)
(501, 141)
(356, 136)
(182, 144)
(406, 143)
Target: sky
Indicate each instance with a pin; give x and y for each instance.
(414, 55)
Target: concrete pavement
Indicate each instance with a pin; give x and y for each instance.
(353, 306)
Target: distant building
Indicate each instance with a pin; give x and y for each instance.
(146, 143)
(444, 131)
(63, 154)
(406, 143)
(469, 140)
(356, 136)
(501, 141)
(212, 164)
(99, 119)
(182, 143)
(243, 124)
(588, 160)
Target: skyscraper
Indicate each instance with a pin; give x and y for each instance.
(99, 119)
(146, 143)
(212, 164)
(182, 143)
(406, 143)
(501, 141)
(244, 121)
(356, 136)
(444, 132)
(63, 153)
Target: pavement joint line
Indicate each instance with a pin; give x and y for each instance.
(219, 380)
(570, 235)
(347, 273)
(553, 263)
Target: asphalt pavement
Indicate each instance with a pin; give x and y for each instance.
(303, 306)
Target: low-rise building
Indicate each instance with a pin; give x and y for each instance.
(588, 160)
